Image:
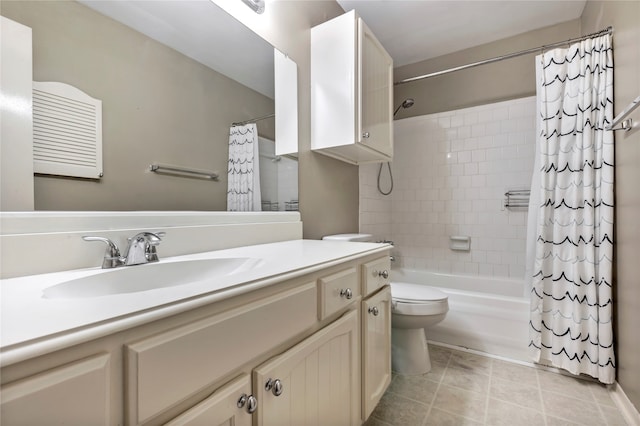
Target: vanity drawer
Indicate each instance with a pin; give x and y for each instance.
(373, 274)
(337, 291)
(77, 393)
(167, 368)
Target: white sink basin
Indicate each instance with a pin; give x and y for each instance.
(132, 279)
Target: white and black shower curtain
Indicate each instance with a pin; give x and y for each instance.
(571, 295)
(243, 169)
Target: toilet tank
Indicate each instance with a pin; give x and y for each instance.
(367, 238)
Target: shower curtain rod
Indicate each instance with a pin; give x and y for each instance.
(542, 48)
(253, 120)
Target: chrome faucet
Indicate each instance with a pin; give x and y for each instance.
(141, 249)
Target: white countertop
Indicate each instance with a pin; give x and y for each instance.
(32, 325)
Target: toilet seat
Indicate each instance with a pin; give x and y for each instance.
(416, 299)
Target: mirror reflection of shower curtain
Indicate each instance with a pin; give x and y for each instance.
(571, 294)
(243, 169)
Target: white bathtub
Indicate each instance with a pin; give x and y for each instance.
(485, 313)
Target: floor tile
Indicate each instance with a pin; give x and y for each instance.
(500, 413)
(437, 371)
(576, 410)
(464, 403)
(418, 388)
(439, 353)
(565, 385)
(514, 372)
(397, 410)
(442, 418)
(471, 362)
(466, 379)
(554, 421)
(468, 389)
(601, 394)
(612, 416)
(372, 421)
(515, 393)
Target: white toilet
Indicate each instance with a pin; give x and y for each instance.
(414, 308)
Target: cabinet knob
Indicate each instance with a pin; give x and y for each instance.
(252, 404)
(384, 274)
(347, 293)
(250, 401)
(374, 310)
(365, 135)
(275, 386)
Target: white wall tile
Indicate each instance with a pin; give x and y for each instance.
(451, 170)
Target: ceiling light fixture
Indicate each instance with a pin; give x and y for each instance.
(256, 5)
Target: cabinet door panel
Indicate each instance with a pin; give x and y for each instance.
(167, 368)
(319, 376)
(73, 394)
(377, 92)
(376, 349)
(221, 408)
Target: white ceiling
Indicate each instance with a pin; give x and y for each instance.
(415, 30)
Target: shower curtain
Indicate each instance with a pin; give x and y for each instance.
(243, 169)
(571, 297)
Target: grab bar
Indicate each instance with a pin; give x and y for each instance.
(621, 122)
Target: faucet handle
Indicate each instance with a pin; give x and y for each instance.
(111, 256)
(152, 238)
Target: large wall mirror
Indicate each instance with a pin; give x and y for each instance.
(173, 76)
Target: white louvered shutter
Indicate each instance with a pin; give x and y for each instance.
(67, 131)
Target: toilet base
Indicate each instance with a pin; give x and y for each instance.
(409, 351)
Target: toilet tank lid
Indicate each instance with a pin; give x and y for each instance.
(415, 292)
(349, 237)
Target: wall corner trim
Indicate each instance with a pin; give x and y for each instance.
(624, 404)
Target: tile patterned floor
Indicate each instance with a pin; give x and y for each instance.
(467, 389)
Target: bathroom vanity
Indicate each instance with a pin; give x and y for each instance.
(300, 336)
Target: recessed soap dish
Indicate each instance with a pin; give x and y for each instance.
(460, 243)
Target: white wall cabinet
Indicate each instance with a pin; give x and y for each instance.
(351, 92)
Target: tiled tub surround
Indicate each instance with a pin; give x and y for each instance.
(450, 172)
(468, 389)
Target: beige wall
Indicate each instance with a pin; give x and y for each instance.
(328, 188)
(158, 106)
(495, 82)
(624, 16)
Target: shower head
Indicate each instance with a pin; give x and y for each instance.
(407, 103)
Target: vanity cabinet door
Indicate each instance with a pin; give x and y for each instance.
(376, 349)
(314, 383)
(221, 408)
(74, 394)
